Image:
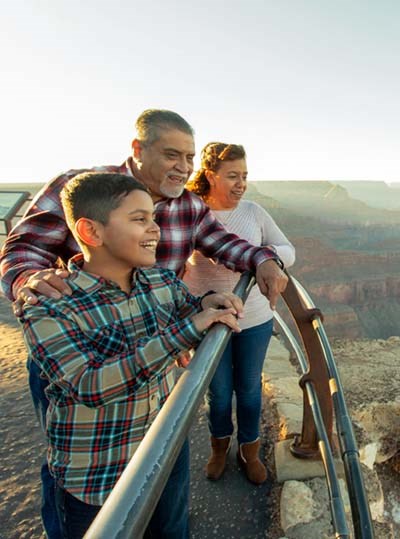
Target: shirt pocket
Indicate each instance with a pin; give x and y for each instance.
(165, 314)
(108, 340)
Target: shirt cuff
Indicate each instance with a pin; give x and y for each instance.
(20, 281)
(264, 254)
(188, 335)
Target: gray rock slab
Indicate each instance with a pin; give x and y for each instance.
(289, 467)
(290, 418)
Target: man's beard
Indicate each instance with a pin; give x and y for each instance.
(171, 191)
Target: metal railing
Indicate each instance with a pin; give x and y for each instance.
(129, 507)
(348, 448)
(336, 502)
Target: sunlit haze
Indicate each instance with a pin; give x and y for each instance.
(309, 87)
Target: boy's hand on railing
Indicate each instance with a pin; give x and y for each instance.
(49, 282)
(224, 299)
(210, 316)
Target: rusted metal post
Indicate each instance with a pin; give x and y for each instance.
(306, 444)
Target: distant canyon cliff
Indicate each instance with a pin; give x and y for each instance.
(347, 239)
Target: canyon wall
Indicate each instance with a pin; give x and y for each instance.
(347, 253)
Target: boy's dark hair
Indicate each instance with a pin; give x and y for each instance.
(152, 121)
(95, 194)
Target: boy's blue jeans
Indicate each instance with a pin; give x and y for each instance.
(170, 519)
(239, 371)
(48, 510)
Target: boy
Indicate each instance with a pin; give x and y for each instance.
(108, 350)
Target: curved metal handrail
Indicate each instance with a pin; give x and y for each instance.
(335, 498)
(348, 447)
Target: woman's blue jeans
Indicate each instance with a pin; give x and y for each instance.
(239, 371)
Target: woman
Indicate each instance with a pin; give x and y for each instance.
(221, 183)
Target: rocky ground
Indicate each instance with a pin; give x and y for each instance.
(370, 378)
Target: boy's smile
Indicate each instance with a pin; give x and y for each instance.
(130, 237)
(152, 245)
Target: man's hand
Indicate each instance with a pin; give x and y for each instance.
(210, 316)
(48, 282)
(224, 299)
(271, 280)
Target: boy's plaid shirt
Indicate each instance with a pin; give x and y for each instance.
(42, 236)
(109, 358)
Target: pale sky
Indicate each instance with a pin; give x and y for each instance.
(311, 88)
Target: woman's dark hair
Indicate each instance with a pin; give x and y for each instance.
(212, 155)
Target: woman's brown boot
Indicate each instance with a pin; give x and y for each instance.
(216, 463)
(250, 462)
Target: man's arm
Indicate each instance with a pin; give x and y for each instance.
(213, 241)
(38, 240)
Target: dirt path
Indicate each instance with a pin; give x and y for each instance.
(22, 445)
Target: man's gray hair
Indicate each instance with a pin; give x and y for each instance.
(152, 121)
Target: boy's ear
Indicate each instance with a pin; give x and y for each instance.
(136, 149)
(89, 231)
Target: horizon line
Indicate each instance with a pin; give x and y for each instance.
(387, 182)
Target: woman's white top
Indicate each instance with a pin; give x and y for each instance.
(251, 222)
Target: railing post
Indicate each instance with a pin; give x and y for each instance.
(362, 520)
(306, 445)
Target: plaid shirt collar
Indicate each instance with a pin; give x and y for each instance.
(90, 283)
